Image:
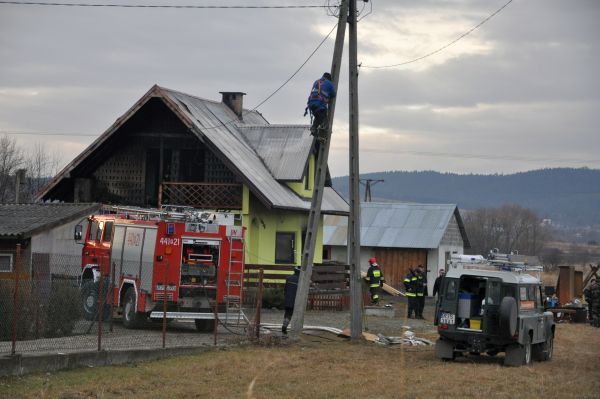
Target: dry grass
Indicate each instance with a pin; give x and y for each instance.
(318, 368)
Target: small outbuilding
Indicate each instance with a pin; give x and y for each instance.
(41, 229)
(400, 236)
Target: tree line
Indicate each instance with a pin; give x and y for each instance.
(39, 166)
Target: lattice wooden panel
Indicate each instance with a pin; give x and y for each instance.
(202, 195)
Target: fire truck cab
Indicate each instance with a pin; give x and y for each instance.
(152, 264)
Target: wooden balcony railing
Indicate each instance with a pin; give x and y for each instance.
(201, 195)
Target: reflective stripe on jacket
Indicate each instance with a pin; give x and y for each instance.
(375, 276)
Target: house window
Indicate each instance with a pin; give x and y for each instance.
(284, 247)
(6, 262)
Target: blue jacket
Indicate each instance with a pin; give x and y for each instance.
(322, 90)
(289, 290)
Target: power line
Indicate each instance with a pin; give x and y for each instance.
(204, 127)
(441, 48)
(280, 87)
(35, 3)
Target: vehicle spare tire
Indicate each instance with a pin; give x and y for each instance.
(508, 316)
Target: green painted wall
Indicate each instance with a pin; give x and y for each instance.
(300, 187)
(262, 225)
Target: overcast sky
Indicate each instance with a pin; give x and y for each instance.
(521, 92)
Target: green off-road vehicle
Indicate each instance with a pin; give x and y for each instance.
(493, 305)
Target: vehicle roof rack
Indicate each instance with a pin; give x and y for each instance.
(175, 213)
(496, 261)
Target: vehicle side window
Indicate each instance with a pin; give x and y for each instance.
(107, 232)
(99, 231)
(93, 231)
(508, 290)
(450, 289)
(523, 293)
(527, 297)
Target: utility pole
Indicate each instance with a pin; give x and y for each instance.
(354, 219)
(314, 215)
(368, 183)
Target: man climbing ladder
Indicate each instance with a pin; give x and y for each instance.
(318, 103)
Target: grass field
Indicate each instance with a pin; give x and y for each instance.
(324, 368)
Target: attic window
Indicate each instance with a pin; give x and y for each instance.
(6, 263)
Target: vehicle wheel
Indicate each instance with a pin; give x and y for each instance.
(131, 317)
(203, 325)
(508, 316)
(89, 301)
(444, 350)
(527, 351)
(518, 355)
(544, 351)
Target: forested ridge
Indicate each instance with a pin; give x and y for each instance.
(568, 196)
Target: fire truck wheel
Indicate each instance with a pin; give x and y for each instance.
(131, 318)
(89, 299)
(205, 325)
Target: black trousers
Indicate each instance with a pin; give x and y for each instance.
(412, 305)
(420, 305)
(374, 294)
(287, 316)
(319, 118)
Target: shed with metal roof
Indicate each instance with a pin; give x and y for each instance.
(40, 228)
(401, 236)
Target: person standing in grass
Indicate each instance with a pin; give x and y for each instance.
(587, 293)
(289, 298)
(596, 305)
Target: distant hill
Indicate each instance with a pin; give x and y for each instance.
(568, 196)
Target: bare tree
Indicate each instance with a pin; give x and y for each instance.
(41, 166)
(508, 228)
(11, 158)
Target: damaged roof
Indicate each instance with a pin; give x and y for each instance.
(24, 220)
(396, 225)
(264, 156)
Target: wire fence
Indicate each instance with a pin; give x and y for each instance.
(49, 305)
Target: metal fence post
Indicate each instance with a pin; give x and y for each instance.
(164, 326)
(112, 295)
(15, 310)
(216, 315)
(100, 309)
(259, 301)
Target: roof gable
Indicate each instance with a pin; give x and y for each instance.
(242, 144)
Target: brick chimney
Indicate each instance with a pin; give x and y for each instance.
(234, 100)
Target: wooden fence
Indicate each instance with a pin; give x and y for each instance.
(329, 283)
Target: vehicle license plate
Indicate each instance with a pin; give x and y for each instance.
(446, 318)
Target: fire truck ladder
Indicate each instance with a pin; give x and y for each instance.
(235, 274)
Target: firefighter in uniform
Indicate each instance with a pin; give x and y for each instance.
(596, 305)
(587, 293)
(318, 102)
(410, 284)
(289, 298)
(421, 289)
(375, 280)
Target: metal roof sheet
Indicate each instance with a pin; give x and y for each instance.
(393, 225)
(283, 148)
(23, 220)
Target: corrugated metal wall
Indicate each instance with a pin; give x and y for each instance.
(395, 263)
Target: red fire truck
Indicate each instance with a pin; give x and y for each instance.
(194, 258)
